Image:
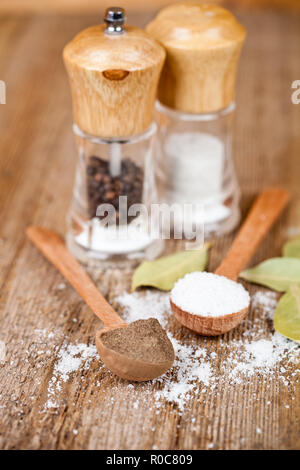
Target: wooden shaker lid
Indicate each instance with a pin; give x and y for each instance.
(114, 77)
(203, 44)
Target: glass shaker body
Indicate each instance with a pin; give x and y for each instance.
(196, 169)
(114, 188)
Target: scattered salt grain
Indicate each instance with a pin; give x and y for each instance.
(189, 371)
(258, 431)
(202, 293)
(196, 372)
(261, 352)
(51, 404)
(61, 286)
(263, 355)
(75, 431)
(71, 357)
(267, 301)
(150, 304)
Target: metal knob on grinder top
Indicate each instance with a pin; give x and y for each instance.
(114, 18)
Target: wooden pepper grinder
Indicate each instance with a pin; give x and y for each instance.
(114, 71)
(195, 104)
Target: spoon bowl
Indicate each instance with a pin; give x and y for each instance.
(126, 367)
(208, 326)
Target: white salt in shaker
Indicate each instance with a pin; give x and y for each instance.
(114, 71)
(195, 109)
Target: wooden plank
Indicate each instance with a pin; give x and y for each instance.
(19, 7)
(36, 176)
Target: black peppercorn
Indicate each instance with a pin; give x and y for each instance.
(102, 188)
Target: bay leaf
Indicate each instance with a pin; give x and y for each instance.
(164, 272)
(291, 249)
(287, 314)
(276, 273)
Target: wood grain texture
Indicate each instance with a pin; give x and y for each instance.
(53, 248)
(114, 95)
(203, 44)
(36, 177)
(208, 326)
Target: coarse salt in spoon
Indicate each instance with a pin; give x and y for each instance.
(212, 304)
(140, 351)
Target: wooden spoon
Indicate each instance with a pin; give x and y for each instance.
(123, 365)
(261, 217)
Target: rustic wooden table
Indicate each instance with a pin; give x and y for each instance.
(39, 315)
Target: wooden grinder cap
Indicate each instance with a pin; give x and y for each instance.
(114, 72)
(203, 44)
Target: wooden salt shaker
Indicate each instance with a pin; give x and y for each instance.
(195, 105)
(114, 71)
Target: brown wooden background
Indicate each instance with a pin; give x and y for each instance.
(80, 6)
(37, 161)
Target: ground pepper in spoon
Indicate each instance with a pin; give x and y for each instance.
(140, 351)
(212, 304)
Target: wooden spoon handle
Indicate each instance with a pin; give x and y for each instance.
(53, 248)
(261, 217)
